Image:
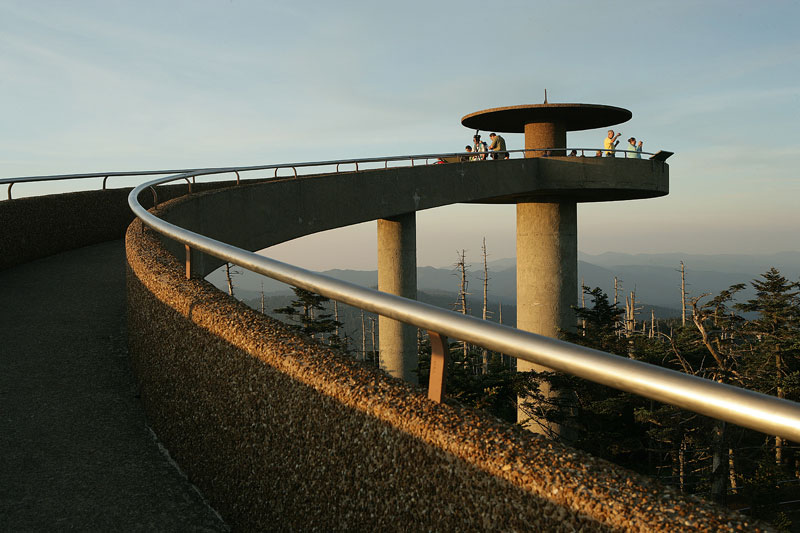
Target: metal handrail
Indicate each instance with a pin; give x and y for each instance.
(753, 410)
(465, 156)
(105, 175)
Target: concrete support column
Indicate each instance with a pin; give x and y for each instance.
(545, 135)
(397, 274)
(547, 272)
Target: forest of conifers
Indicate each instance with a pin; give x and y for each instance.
(750, 343)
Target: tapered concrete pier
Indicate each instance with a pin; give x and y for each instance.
(397, 274)
(547, 268)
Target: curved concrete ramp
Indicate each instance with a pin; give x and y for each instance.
(75, 452)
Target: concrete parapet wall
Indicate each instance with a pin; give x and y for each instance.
(281, 433)
(45, 225)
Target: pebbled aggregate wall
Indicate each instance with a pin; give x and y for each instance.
(44, 225)
(39, 226)
(283, 434)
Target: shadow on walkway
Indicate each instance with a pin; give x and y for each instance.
(75, 451)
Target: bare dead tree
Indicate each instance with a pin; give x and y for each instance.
(263, 310)
(699, 321)
(336, 316)
(683, 295)
(703, 319)
(372, 324)
(228, 277)
(363, 338)
(583, 305)
(630, 313)
(779, 442)
(687, 367)
(461, 304)
(485, 279)
(617, 288)
(630, 321)
(682, 464)
(652, 333)
(461, 267)
(627, 316)
(720, 469)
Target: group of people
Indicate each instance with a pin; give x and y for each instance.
(634, 151)
(497, 149)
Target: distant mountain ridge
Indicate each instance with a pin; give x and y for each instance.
(654, 277)
(787, 262)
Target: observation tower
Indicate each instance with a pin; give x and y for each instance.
(547, 235)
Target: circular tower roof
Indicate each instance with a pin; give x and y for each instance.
(512, 119)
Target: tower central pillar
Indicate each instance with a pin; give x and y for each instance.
(543, 135)
(547, 264)
(547, 268)
(397, 274)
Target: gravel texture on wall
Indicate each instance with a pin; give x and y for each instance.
(39, 226)
(44, 225)
(284, 434)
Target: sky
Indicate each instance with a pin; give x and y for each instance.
(94, 86)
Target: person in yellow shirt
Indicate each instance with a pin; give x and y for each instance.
(611, 142)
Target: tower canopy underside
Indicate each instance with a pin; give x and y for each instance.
(573, 117)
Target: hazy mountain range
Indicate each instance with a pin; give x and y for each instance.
(654, 277)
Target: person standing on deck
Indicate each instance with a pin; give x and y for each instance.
(498, 147)
(634, 151)
(480, 147)
(611, 142)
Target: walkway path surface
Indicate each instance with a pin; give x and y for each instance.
(75, 451)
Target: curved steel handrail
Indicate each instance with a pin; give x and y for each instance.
(464, 156)
(750, 409)
(105, 175)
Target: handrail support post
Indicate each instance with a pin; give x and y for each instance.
(438, 373)
(188, 261)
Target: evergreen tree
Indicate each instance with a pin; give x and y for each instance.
(773, 365)
(307, 311)
(774, 362)
(595, 418)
